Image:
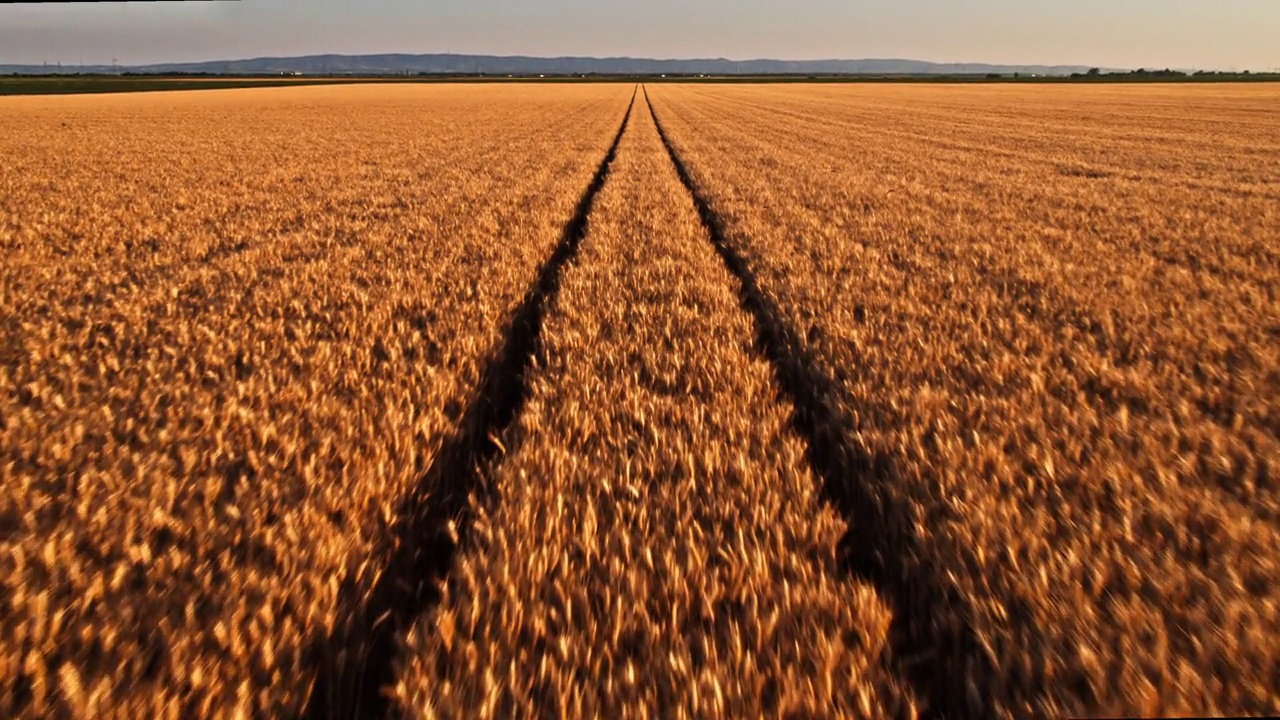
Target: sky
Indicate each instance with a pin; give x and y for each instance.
(1186, 34)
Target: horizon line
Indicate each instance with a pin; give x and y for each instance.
(707, 58)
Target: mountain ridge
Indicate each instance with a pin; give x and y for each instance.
(458, 64)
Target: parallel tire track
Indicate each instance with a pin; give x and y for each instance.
(932, 645)
(357, 661)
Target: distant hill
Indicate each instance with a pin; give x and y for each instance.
(394, 64)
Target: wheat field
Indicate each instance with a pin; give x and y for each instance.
(640, 401)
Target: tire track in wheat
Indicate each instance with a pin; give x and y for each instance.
(358, 660)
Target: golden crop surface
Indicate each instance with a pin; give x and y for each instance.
(825, 400)
(1052, 315)
(234, 326)
(658, 530)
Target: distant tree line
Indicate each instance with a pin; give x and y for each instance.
(1144, 74)
(1139, 73)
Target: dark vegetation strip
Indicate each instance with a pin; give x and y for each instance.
(357, 662)
(88, 83)
(94, 86)
(932, 645)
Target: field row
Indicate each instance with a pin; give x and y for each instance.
(1065, 380)
(234, 332)
(656, 529)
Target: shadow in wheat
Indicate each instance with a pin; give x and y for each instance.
(357, 662)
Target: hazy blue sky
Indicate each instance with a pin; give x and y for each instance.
(1117, 33)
